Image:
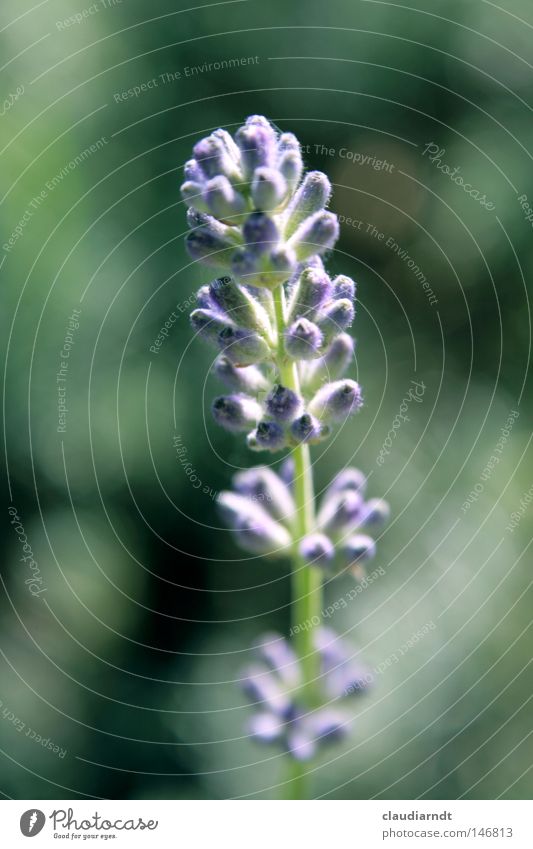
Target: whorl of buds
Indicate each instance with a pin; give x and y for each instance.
(249, 212)
(240, 322)
(271, 683)
(340, 540)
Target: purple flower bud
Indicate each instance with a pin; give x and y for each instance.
(257, 144)
(340, 511)
(204, 221)
(278, 653)
(329, 725)
(236, 413)
(317, 550)
(348, 479)
(262, 686)
(260, 232)
(268, 436)
(265, 727)
(335, 401)
(300, 744)
(358, 549)
(343, 287)
(291, 167)
(264, 486)
(311, 197)
(207, 226)
(312, 289)
(193, 195)
(243, 347)
(288, 143)
(209, 324)
(248, 379)
(376, 511)
(332, 364)
(283, 404)
(290, 163)
(256, 531)
(239, 304)
(305, 429)
(222, 200)
(227, 142)
(335, 317)
(208, 247)
(315, 235)
(268, 189)
(261, 538)
(212, 155)
(303, 340)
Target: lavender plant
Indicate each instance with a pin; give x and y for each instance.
(278, 322)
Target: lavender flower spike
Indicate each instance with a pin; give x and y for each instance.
(279, 322)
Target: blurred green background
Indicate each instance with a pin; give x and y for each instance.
(126, 660)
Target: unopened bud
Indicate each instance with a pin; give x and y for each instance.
(303, 340)
(317, 550)
(376, 511)
(310, 198)
(332, 364)
(209, 324)
(306, 429)
(236, 413)
(358, 549)
(268, 189)
(257, 144)
(337, 400)
(209, 248)
(243, 347)
(268, 436)
(343, 287)
(248, 379)
(223, 200)
(315, 235)
(239, 304)
(311, 291)
(267, 488)
(335, 317)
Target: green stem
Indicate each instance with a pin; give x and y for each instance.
(306, 580)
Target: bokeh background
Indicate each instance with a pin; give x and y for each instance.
(126, 661)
